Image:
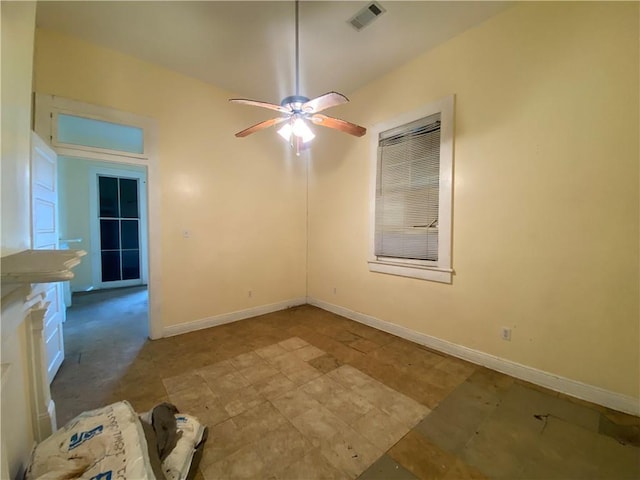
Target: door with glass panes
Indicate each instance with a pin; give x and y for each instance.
(119, 212)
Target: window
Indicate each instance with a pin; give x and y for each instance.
(411, 194)
(89, 132)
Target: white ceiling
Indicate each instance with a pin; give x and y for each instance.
(248, 47)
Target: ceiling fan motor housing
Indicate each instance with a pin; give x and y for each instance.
(295, 102)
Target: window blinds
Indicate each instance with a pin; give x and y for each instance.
(407, 191)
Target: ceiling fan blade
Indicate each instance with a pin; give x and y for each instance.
(256, 103)
(343, 126)
(261, 126)
(323, 102)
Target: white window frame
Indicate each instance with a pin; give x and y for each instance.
(440, 270)
(94, 209)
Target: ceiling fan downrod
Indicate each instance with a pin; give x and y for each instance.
(297, 52)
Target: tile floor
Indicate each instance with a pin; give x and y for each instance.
(306, 394)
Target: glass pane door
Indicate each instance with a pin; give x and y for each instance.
(119, 216)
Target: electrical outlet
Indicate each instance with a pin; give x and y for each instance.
(335, 290)
(250, 294)
(506, 334)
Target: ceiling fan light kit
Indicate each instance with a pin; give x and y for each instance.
(299, 110)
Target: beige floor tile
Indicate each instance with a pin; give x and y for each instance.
(325, 363)
(193, 399)
(245, 360)
(182, 382)
(243, 464)
(215, 370)
(443, 379)
(344, 336)
(227, 384)
(491, 381)
(295, 403)
(342, 402)
(259, 421)
(288, 362)
(303, 375)
(308, 352)
(241, 400)
(224, 439)
(421, 457)
(407, 411)
(323, 387)
(210, 414)
(378, 394)
(363, 345)
(271, 351)
(457, 367)
(380, 428)
(461, 471)
(349, 377)
(377, 336)
(275, 386)
(350, 452)
(258, 373)
(280, 448)
(312, 466)
(318, 424)
(293, 343)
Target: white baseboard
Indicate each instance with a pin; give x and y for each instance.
(231, 317)
(591, 393)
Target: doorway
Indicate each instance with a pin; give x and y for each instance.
(117, 140)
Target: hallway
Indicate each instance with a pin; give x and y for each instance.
(104, 333)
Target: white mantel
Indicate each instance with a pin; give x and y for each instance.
(39, 266)
(24, 301)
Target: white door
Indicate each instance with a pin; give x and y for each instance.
(44, 234)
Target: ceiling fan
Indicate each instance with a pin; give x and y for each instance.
(297, 110)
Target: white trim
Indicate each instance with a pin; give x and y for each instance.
(414, 271)
(231, 317)
(48, 105)
(574, 388)
(440, 271)
(51, 106)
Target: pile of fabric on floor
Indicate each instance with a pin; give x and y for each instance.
(114, 442)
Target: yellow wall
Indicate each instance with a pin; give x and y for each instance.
(545, 224)
(243, 204)
(18, 24)
(17, 65)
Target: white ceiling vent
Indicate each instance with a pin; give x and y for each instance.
(367, 15)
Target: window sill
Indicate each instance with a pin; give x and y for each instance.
(433, 274)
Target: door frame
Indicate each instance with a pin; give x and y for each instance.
(94, 241)
(48, 107)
